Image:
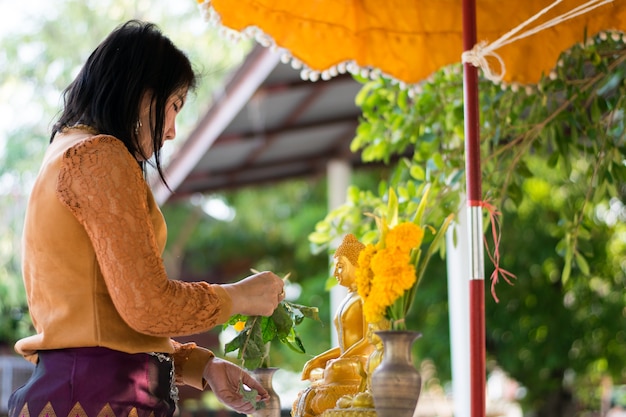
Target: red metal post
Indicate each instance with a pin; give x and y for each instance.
(474, 198)
(470, 92)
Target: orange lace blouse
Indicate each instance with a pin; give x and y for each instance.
(92, 263)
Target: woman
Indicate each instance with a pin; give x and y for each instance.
(102, 305)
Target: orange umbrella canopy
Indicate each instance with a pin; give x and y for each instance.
(409, 40)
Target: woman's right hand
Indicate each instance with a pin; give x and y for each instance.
(256, 295)
(224, 378)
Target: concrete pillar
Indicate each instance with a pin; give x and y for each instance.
(457, 249)
(339, 174)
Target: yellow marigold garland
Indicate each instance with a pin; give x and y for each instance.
(384, 275)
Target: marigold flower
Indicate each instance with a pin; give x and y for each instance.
(389, 270)
(394, 266)
(363, 275)
(405, 237)
(240, 325)
(385, 273)
(373, 312)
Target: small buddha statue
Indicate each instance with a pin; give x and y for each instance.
(340, 370)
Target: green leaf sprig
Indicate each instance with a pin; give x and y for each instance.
(250, 395)
(252, 341)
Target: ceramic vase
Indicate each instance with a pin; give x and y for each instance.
(396, 384)
(272, 407)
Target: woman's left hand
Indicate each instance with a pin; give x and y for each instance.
(224, 377)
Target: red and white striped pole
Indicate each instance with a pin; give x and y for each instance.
(474, 218)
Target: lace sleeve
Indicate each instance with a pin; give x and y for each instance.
(102, 185)
(189, 363)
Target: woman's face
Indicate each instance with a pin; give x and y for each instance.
(173, 106)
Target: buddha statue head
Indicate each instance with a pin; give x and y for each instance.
(346, 260)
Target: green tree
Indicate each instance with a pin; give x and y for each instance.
(562, 140)
(558, 338)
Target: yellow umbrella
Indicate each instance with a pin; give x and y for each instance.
(409, 40)
(516, 41)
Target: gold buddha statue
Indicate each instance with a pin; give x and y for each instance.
(362, 403)
(340, 371)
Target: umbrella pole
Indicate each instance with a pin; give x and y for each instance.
(474, 207)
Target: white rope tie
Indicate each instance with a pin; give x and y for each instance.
(477, 56)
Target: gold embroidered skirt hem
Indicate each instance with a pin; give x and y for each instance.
(96, 382)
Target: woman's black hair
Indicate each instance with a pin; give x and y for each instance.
(135, 59)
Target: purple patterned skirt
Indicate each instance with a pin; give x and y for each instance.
(97, 382)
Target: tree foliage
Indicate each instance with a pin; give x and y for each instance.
(554, 165)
